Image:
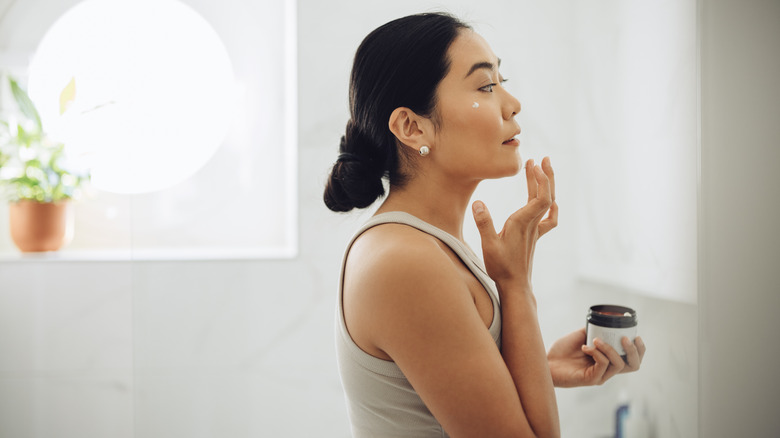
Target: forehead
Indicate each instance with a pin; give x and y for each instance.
(469, 48)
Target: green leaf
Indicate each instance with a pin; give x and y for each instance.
(26, 181)
(35, 162)
(56, 154)
(26, 105)
(26, 138)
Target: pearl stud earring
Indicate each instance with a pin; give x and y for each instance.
(425, 150)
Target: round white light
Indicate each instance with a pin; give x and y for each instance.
(140, 90)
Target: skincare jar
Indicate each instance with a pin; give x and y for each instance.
(610, 323)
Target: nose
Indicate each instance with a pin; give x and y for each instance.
(511, 106)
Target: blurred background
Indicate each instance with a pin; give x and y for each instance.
(206, 308)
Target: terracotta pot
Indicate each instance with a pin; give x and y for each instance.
(40, 226)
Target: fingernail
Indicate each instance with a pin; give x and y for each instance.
(478, 207)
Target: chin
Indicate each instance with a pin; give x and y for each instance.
(513, 172)
(514, 168)
(506, 172)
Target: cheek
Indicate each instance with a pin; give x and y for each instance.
(473, 120)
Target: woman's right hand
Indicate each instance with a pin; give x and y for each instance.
(509, 254)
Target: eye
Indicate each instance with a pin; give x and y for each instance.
(489, 87)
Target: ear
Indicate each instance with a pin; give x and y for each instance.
(410, 129)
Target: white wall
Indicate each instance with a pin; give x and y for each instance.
(740, 253)
(245, 348)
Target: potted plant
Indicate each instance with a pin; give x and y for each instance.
(34, 175)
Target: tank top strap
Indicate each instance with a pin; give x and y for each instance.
(399, 217)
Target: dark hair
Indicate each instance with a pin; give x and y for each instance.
(399, 64)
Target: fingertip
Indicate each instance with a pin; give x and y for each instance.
(529, 166)
(640, 345)
(478, 207)
(482, 219)
(547, 164)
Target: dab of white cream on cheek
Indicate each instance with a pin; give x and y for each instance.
(475, 105)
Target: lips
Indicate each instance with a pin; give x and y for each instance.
(512, 140)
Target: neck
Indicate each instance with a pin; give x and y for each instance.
(438, 201)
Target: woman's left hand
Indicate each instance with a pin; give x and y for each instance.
(572, 363)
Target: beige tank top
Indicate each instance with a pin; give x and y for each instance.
(380, 400)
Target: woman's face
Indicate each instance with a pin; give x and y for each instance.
(474, 139)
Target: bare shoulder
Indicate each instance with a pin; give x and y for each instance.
(389, 239)
(395, 273)
(391, 255)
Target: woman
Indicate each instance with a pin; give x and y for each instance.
(424, 347)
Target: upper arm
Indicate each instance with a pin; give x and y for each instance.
(418, 311)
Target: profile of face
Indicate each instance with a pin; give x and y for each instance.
(474, 138)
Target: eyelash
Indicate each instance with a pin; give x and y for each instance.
(489, 87)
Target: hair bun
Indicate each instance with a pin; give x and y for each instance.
(355, 181)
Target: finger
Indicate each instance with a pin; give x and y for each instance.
(551, 221)
(542, 201)
(632, 355)
(596, 372)
(616, 362)
(542, 183)
(530, 179)
(548, 170)
(487, 231)
(614, 358)
(538, 197)
(640, 346)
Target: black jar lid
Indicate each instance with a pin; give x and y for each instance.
(609, 315)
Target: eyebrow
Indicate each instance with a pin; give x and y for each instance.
(484, 64)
